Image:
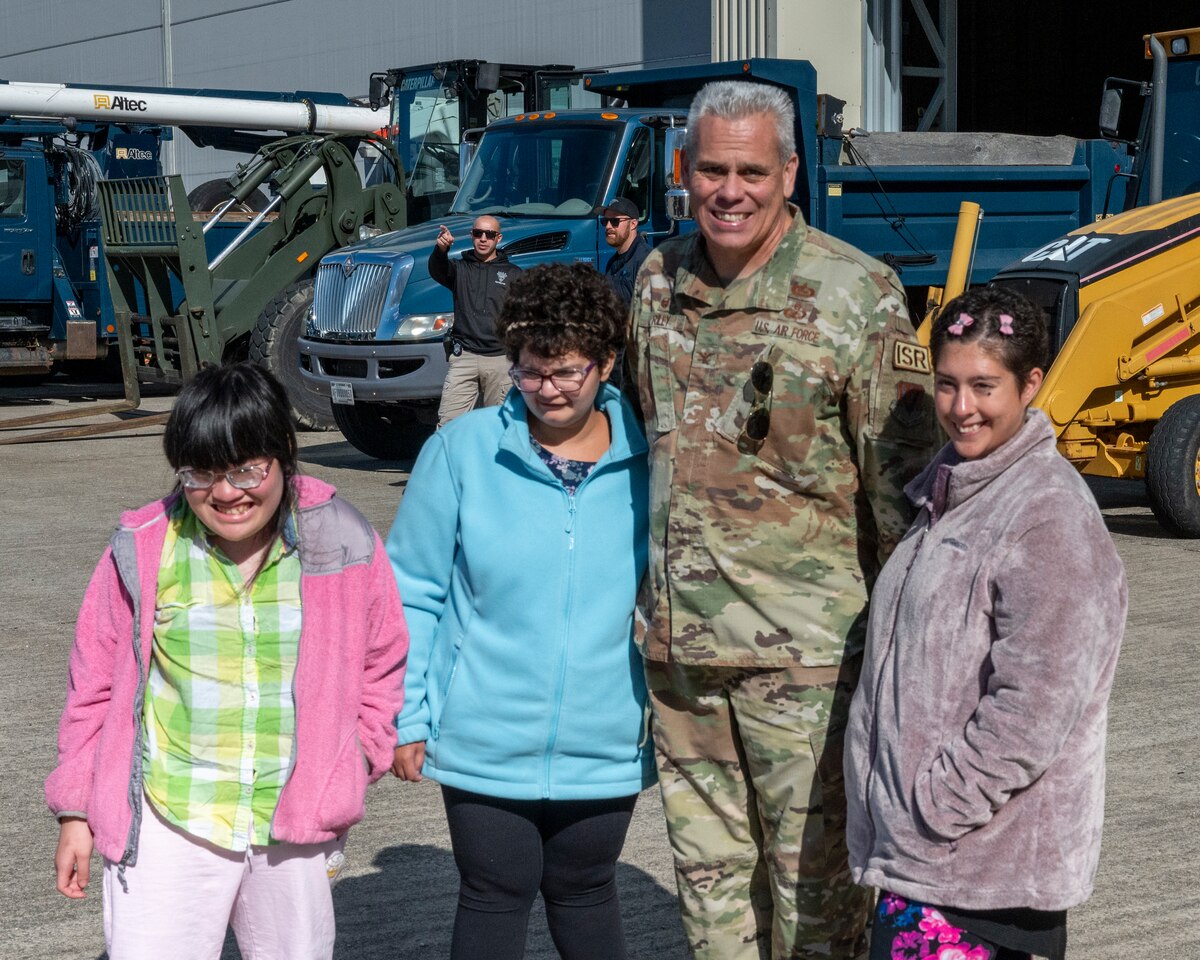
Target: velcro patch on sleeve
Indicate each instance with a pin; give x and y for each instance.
(910, 356)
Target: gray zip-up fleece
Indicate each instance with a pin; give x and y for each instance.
(975, 752)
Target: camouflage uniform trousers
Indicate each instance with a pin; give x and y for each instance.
(750, 767)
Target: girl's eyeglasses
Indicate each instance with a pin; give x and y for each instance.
(567, 380)
(246, 477)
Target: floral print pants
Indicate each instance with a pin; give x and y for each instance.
(905, 930)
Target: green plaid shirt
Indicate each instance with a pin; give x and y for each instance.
(220, 718)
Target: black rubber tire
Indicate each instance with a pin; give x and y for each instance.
(1173, 468)
(274, 344)
(385, 431)
(212, 193)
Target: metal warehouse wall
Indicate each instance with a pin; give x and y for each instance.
(328, 44)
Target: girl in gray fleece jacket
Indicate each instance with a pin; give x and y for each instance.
(975, 753)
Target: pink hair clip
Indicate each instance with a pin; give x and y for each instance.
(1005, 324)
(964, 321)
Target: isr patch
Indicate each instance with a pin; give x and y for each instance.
(911, 356)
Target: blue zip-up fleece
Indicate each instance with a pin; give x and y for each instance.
(523, 679)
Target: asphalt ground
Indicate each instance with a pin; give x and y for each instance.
(61, 499)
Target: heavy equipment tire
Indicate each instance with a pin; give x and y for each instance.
(274, 345)
(382, 430)
(1173, 468)
(212, 193)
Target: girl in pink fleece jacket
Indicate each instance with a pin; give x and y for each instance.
(237, 668)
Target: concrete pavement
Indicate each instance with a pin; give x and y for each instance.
(60, 501)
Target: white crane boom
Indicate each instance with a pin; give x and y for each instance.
(56, 101)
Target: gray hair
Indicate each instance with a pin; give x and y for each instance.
(735, 99)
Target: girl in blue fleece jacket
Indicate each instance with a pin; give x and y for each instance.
(518, 549)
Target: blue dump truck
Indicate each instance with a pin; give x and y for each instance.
(373, 342)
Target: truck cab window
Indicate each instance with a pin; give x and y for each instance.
(425, 118)
(635, 178)
(12, 189)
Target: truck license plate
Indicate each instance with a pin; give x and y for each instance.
(341, 391)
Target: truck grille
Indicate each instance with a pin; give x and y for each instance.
(540, 243)
(350, 305)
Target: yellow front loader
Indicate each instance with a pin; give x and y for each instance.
(1123, 389)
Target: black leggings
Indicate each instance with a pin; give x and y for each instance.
(508, 850)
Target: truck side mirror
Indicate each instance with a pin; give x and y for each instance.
(379, 91)
(466, 151)
(487, 77)
(1120, 109)
(678, 200)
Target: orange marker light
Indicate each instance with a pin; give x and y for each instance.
(519, 117)
(608, 116)
(110, 329)
(535, 116)
(303, 256)
(678, 166)
(550, 116)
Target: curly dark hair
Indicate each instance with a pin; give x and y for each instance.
(1027, 347)
(558, 308)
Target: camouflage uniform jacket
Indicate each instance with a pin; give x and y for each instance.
(762, 553)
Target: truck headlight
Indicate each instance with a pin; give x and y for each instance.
(366, 233)
(424, 326)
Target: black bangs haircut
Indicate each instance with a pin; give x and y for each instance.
(227, 415)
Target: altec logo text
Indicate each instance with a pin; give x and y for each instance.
(105, 102)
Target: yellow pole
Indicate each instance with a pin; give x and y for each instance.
(962, 255)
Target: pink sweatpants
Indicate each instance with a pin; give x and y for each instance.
(184, 892)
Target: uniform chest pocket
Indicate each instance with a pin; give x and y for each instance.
(782, 410)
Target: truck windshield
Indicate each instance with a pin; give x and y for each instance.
(539, 170)
(12, 188)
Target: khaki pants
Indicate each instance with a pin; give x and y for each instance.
(750, 766)
(469, 378)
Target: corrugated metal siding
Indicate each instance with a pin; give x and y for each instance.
(325, 45)
(739, 29)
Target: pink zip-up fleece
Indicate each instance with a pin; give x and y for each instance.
(348, 685)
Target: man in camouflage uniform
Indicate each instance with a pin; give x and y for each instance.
(786, 400)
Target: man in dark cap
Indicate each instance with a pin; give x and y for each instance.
(620, 221)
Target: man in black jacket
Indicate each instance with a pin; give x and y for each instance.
(620, 221)
(479, 282)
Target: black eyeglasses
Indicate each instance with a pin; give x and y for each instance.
(614, 221)
(758, 421)
(489, 234)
